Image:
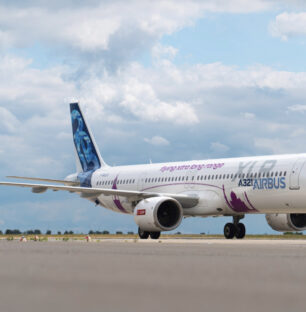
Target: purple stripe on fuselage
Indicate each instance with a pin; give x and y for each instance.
(247, 198)
(117, 200)
(225, 197)
(182, 183)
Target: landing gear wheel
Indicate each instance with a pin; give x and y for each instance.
(229, 230)
(240, 231)
(155, 235)
(143, 234)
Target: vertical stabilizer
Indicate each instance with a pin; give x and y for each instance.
(88, 155)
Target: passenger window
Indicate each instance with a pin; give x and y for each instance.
(212, 177)
(208, 177)
(263, 174)
(182, 178)
(239, 176)
(201, 177)
(232, 176)
(280, 174)
(276, 173)
(227, 176)
(271, 174)
(179, 178)
(255, 174)
(247, 175)
(285, 173)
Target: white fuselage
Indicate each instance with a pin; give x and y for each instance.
(233, 186)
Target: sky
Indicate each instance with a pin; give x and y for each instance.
(158, 81)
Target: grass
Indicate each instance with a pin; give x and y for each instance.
(135, 236)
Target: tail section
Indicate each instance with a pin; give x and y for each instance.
(88, 155)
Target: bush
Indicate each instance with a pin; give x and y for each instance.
(119, 233)
(293, 233)
(59, 233)
(48, 232)
(14, 232)
(105, 232)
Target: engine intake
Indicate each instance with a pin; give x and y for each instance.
(287, 222)
(158, 214)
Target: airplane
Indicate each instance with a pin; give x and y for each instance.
(160, 195)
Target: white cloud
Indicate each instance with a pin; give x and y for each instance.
(218, 147)
(140, 99)
(157, 140)
(248, 116)
(287, 25)
(101, 25)
(297, 108)
(9, 123)
(159, 51)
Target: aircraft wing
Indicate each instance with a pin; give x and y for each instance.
(46, 180)
(187, 201)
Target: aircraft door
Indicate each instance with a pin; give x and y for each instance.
(141, 181)
(294, 179)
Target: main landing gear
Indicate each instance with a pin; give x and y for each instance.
(234, 229)
(144, 234)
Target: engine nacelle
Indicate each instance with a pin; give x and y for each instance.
(287, 222)
(158, 214)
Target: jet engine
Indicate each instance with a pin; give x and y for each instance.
(287, 222)
(158, 214)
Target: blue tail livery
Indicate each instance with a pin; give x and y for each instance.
(86, 148)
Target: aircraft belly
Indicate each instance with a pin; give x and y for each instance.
(116, 203)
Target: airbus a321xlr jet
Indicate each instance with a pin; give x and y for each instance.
(161, 195)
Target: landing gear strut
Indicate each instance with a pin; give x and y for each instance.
(234, 229)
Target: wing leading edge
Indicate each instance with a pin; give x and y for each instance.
(187, 201)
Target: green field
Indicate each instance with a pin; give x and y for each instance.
(135, 236)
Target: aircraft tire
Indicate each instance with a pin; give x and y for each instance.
(143, 234)
(229, 230)
(240, 231)
(155, 235)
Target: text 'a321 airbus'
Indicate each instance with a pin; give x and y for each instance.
(161, 195)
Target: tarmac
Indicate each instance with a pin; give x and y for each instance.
(119, 275)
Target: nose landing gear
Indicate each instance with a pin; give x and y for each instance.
(234, 229)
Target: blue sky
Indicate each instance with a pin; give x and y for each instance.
(159, 80)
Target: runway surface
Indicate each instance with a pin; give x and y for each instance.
(166, 275)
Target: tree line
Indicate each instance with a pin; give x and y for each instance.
(49, 232)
